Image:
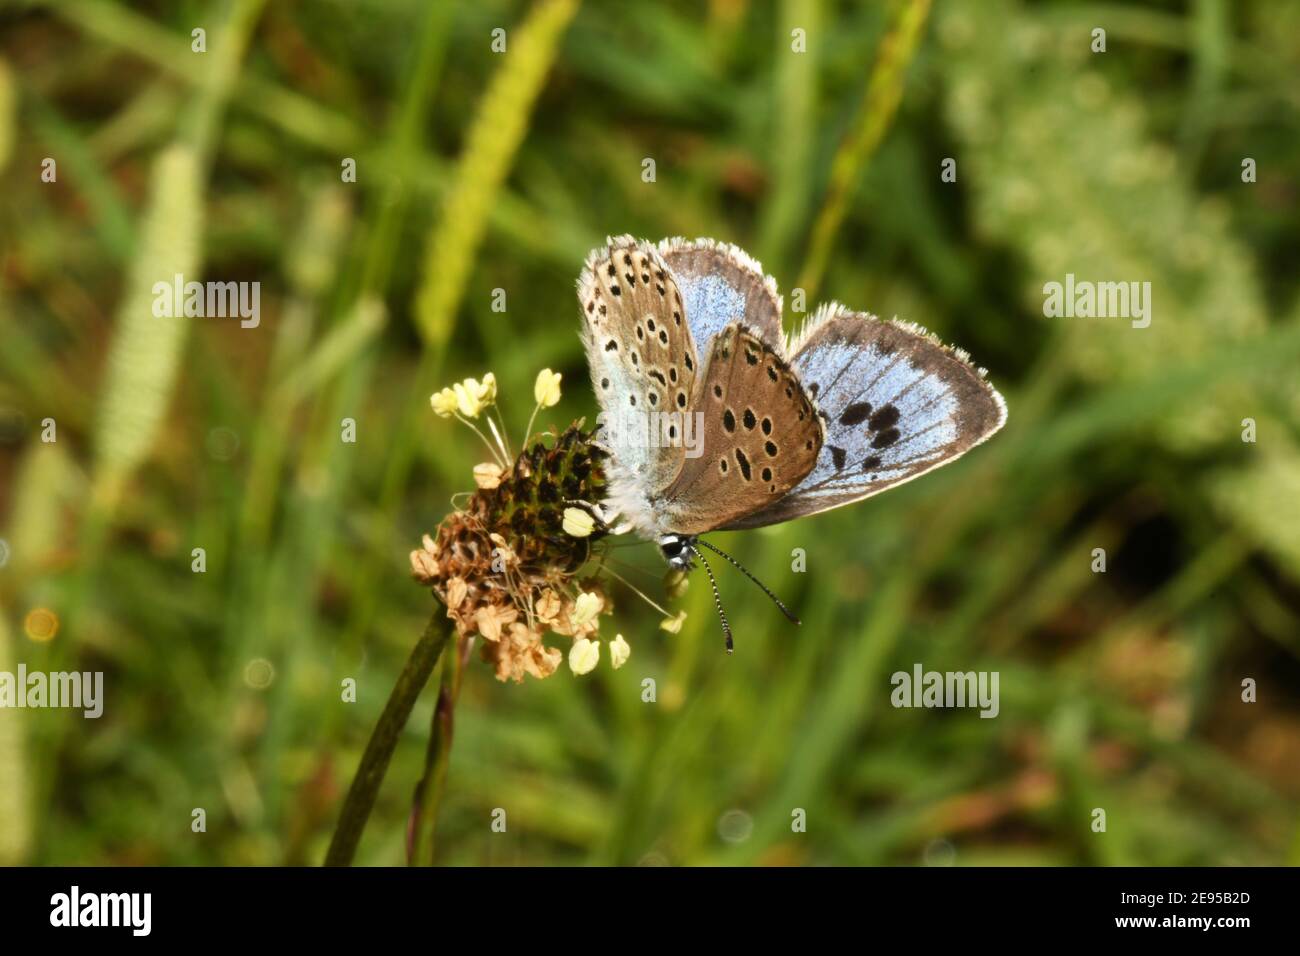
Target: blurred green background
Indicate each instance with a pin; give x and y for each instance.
(478, 170)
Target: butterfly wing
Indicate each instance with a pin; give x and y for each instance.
(640, 354)
(759, 436)
(896, 403)
(721, 284)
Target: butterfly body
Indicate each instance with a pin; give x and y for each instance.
(685, 338)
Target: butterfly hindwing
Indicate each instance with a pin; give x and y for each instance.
(895, 402)
(640, 354)
(759, 435)
(721, 284)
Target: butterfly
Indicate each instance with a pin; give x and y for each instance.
(714, 420)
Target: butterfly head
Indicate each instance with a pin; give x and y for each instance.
(677, 550)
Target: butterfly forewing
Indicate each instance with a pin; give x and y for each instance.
(760, 436)
(641, 356)
(721, 284)
(896, 403)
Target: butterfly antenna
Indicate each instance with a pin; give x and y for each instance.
(745, 571)
(717, 599)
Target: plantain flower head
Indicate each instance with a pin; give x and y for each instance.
(517, 562)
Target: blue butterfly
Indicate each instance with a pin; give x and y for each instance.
(714, 420)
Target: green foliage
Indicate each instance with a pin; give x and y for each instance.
(479, 171)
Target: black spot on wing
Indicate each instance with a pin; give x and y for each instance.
(855, 414)
(887, 417)
(743, 462)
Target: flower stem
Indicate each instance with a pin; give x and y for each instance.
(528, 431)
(383, 740)
(884, 91)
(428, 794)
(496, 455)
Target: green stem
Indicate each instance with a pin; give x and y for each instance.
(884, 90)
(428, 795)
(383, 740)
